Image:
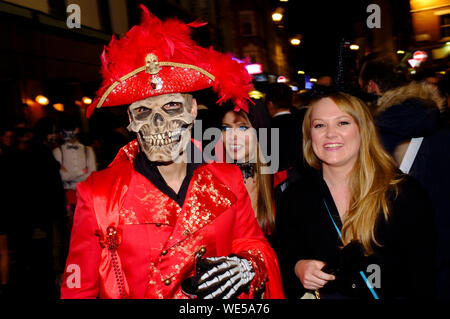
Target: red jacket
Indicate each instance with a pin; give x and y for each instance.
(150, 246)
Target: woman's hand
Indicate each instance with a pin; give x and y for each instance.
(310, 274)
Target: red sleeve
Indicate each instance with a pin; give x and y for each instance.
(81, 276)
(249, 242)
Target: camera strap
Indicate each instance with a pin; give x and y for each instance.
(363, 275)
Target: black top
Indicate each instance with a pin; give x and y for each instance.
(290, 140)
(150, 170)
(306, 231)
(430, 168)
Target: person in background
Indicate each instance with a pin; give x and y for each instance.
(409, 122)
(33, 211)
(278, 101)
(353, 226)
(77, 163)
(427, 74)
(444, 90)
(242, 148)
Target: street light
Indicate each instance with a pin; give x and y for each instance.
(277, 16)
(300, 72)
(295, 41)
(59, 107)
(354, 47)
(86, 100)
(42, 100)
(400, 52)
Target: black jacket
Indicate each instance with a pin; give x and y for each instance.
(305, 231)
(290, 140)
(412, 111)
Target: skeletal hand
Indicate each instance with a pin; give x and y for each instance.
(221, 277)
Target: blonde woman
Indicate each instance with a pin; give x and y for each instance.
(353, 226)
(242, 148)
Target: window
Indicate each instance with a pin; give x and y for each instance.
(445, 26)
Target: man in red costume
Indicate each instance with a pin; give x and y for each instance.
(153, 224)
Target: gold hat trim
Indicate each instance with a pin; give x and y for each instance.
(145, 68)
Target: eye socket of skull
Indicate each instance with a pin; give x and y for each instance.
(140, 113)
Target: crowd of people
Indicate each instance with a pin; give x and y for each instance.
(358, 207)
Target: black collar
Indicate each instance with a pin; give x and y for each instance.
(150, 170)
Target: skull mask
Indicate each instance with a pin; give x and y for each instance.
(162, 124)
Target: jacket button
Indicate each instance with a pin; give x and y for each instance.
(186, 232)
(167, 281)
(164, 252)
(202, 250)
(157, 224)
(353, 286)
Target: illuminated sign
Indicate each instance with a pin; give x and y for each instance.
(413, 63)
(254, 68)
(420, 56)
(281, 79)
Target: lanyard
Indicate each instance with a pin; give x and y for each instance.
(374, 294)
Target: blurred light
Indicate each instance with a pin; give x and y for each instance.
(300, 72)
(413, 71)
(284, 0)
(59, 107)
(260, 77)
(295, 41)
(294, 88)
(447, 43)
(420, 56)
(413, 63)
(79, 103)
(29, 102)
(354, 47)
(313, 80)
(442, 72)
(255, 68)
(42, 100)
(256, 94)
(86, 100)
(281, 79)
(400, 52)
(277, 17)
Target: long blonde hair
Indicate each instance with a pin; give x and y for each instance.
(265, 210)
(373, 176)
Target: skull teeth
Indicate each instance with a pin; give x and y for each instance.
(162, 138)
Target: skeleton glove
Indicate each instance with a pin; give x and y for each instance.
(219, 277)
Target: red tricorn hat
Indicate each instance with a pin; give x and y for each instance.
(159, 57)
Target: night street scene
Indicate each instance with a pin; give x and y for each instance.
(271, 150)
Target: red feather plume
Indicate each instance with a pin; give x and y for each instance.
(170, 41)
